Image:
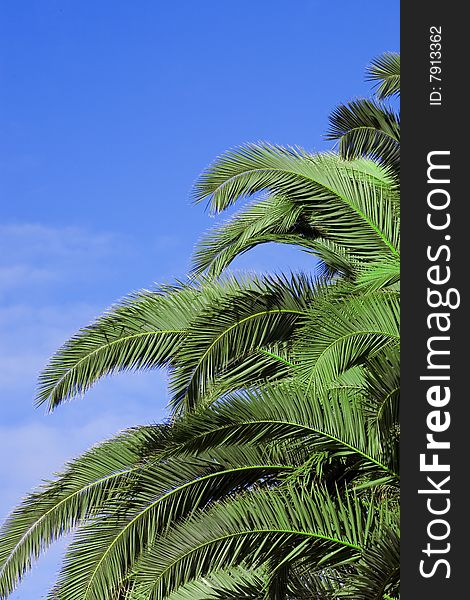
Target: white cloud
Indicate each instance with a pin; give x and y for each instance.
(52, 282)
(41, 308)
(36, 240)
(29, 335)
(18, 275)
(32, 257)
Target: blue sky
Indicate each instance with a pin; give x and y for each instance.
(108, 112)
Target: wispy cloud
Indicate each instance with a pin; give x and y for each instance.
(30, 334)
(36, 449)
(33, 256)
(53, 281)
(34, 239)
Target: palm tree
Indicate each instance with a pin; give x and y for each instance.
(278, 474)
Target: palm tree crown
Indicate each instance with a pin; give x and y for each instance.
(277, 476)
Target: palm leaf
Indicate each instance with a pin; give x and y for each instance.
(237, 583)
(83, 490)
(103, 551)
(252, 529)
(337, 426)
(366, 128)
(142, 331)
(384, 71)
(342, 197)
(346, 333)
(245, 320)
(273, 219)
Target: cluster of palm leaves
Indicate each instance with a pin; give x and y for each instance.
(277, 475)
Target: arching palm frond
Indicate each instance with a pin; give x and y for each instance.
(238, 583)
(103, 552)
(119, 496)
(258, 527)
(367, 128)
(143, 331)
(88, 484)
(345, 332)
(336, 426)
(155, 329)
(342, 197)
(272, 220)
(384, 71)
(243, 321)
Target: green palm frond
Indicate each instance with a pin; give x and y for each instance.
(273, 219)
(150, 330)
(85, 488)
(238, 583)
(377, 575)
(103, 551)
(384, 71)
(337, 426)
(378, 275)
(343, 197)
(142, 331)
(244, 321)
(257, 527)
(346, 332)
(366, 128)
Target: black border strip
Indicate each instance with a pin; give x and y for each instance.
(431, 124)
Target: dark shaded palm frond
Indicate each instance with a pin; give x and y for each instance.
(306, 583)
(377, 574)
(334, 260)
(384, 72)
(382, 395)
(369, 129)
